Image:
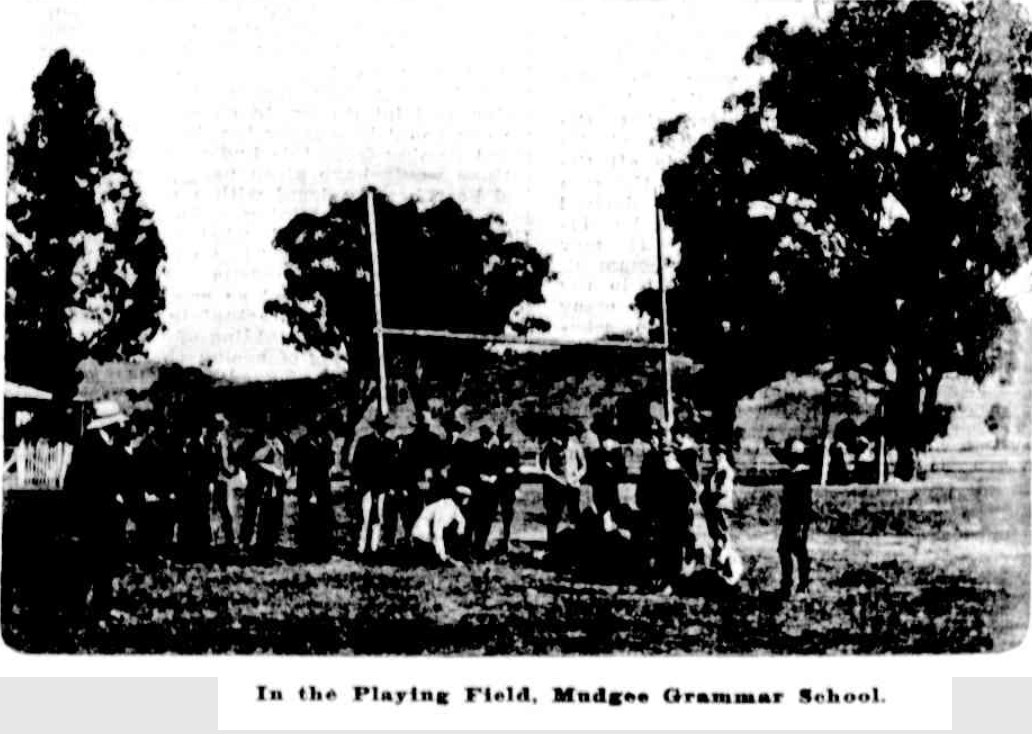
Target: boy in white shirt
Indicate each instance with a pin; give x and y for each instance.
(435, 523)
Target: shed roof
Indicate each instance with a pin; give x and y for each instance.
(13, 390)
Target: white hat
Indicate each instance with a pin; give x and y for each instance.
(463, 490)
(107, 413)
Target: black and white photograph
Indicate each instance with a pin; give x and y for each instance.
(517, 329)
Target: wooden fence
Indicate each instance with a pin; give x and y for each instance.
(41, 465)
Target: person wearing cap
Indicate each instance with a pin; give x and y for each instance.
(438, 524)
(97, 487)
(373, 471)
(796, 513)
(716, 501)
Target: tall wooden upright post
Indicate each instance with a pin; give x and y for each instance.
(668, 389)
(375, 254)
(881, 439)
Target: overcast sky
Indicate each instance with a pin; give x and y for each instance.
(242, 114)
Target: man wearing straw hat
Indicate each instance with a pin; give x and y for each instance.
(97, 487)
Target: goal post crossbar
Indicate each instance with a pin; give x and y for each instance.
(663, 347)
(543, 341)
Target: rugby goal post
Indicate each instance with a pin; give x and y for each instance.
(381, 331)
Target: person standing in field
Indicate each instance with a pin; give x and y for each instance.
(313, 461)
(156, 484)
(221, 498)
(373, 472)
(266, 468)
(562, 465)
(607, 467)
(667, 503)
(796, 515)
(252, 491)
(194, 496)
(97, 491)
(717, 500)
(419, 458)
(460, 455)
(271, 461)
(508, 461)
(484, 502)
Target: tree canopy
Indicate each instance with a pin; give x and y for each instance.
(851, 207)
(84, 257)
(440, 268)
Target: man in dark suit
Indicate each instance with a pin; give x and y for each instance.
(266, 483)
(97, 486)
(607, 467)
(313, 459)
(374, 471)
(508, 462)
(667, 493)
(796, 512)
(420, 456)
(484, 503)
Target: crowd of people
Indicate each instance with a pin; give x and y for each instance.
(430, 497)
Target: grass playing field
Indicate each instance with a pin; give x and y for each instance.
(937, 567)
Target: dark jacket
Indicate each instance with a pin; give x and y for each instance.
(98, 477)
(797, 497)
(463, 461)
(508, 460)
(420, 451)
(313, 458)
(374, 464)
(606, 469)
(665, 493)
